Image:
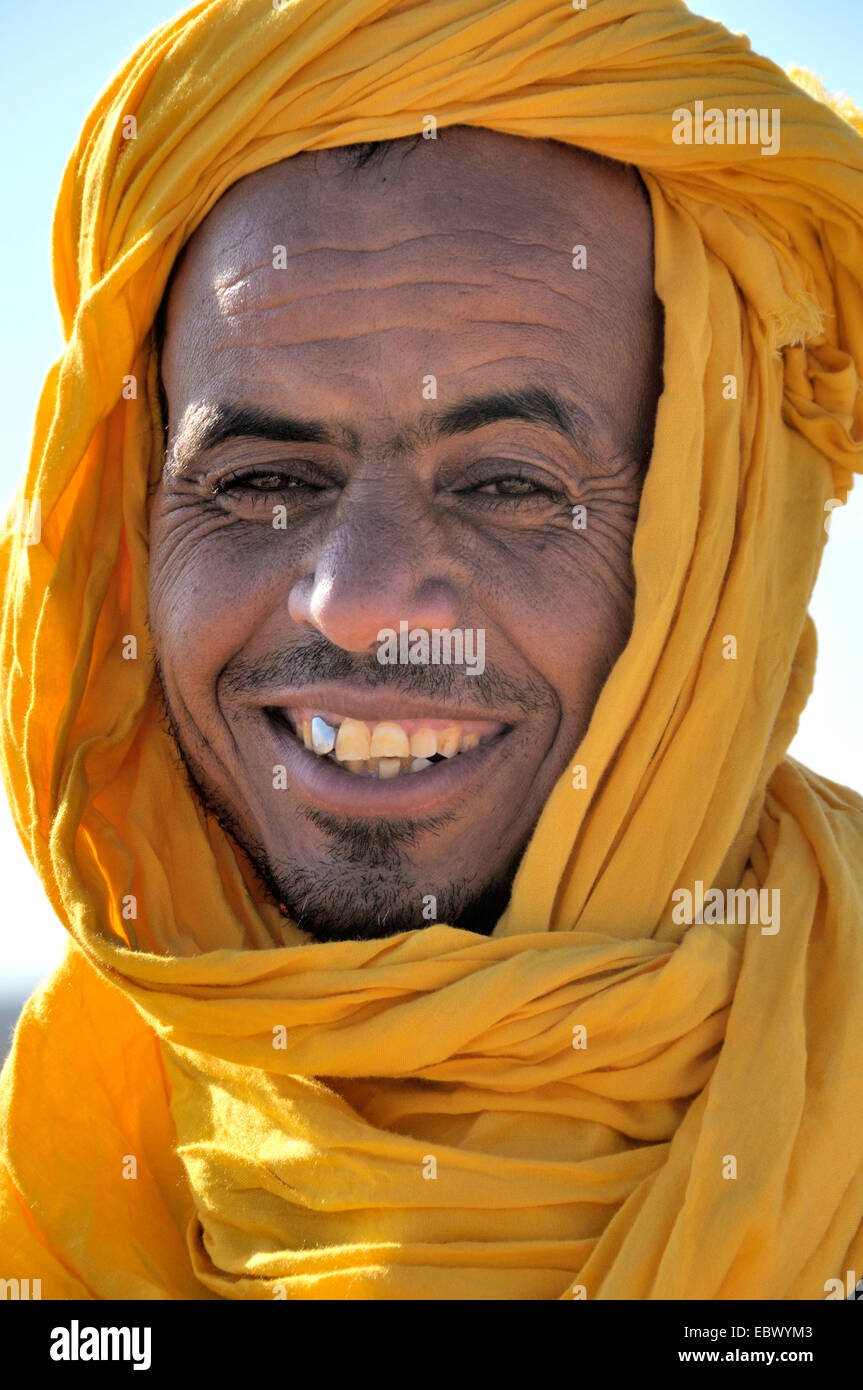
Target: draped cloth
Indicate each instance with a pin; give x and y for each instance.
(596, 1100)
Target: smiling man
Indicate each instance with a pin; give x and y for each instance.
(415, 634)
(297, 393)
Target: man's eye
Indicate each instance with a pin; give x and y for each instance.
(263, 481)
(512, 486)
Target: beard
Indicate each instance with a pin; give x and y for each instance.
(362, 902)
(366, 887)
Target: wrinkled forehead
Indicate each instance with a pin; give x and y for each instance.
(487, 257)
(469, 204)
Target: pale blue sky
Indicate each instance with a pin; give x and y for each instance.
(56, 59)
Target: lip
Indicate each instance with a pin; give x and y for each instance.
(379, 705)
(330, 788)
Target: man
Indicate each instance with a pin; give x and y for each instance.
(445, 509)
(399, 692)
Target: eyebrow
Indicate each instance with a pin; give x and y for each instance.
(533, 403)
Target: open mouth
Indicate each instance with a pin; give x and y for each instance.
(383, 748)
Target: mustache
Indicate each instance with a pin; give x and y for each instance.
(315, 660)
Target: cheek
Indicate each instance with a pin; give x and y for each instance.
(208, 591)
(566, 604)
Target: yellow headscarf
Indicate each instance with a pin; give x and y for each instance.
(201, 1102)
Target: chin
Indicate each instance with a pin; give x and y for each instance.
(361, 901)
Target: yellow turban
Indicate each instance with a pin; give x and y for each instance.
(202, 1103)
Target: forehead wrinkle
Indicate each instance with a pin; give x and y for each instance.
(268, 316)
(577, 294)
(291, 300)
(270, 331)
(231, 281)
(285, 191)
(232, 288)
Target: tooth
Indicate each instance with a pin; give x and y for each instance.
(469, 741)
(448, 742)
(323, 736)
(306, 731)
(389, 767)
(419, 764)
(355, 764)
(390, 741)
(424, 743)
(352, 741)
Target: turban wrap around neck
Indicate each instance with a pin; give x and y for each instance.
(302, 1170)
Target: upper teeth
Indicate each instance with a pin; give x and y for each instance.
(388, 741)
(323, 737)
(386, 749)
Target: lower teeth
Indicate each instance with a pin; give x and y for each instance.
(386, 767)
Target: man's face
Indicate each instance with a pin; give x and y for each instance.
(390, 394)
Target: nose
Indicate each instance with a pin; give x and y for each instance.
(377, 567)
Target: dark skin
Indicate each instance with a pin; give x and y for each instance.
(453, 260)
